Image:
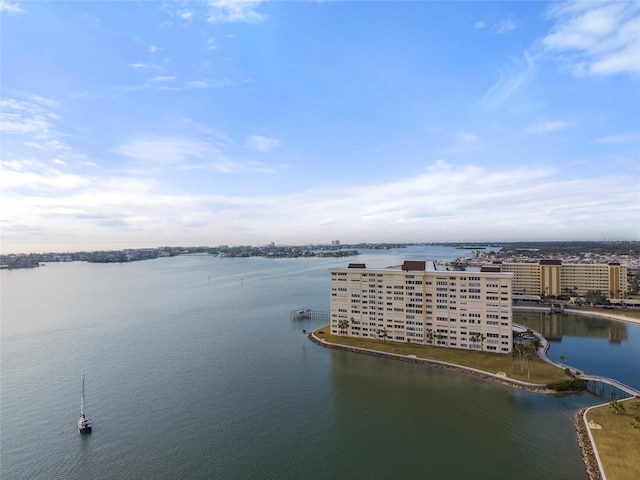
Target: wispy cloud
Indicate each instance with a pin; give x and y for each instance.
(34, 118)
(467, 137)
(504, 26)
(138, 65)
(486, 203)
(480, 25)
(161, 78)
(510, 80)
(618, 139)
(167, 150)
(262, 144)
(542, 127)
(157, 153)
(244, 11)
(12, 8)
(596, 38)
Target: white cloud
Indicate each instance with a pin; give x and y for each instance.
(161, 78)
(504, 26)
(547, 126)
(259, 143)
(618, 139)
(235, 11)
(46, 102)
(510, 80)
(197, 84)
(167, 150)
(440, 165)
(138, 65)
(37, 177)
(153, 48)
(33, 118)
(11, 8)
(480, 25)
(596, 38)
(467, 137)
(476, 203)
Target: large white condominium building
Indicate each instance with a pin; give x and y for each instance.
(553, 278)
(422, 302)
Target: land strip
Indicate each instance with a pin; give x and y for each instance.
(619, 448)
(586, 446)
(530, 374)
(616, 438)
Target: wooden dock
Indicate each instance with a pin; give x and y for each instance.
(596, 385)
(308, 314)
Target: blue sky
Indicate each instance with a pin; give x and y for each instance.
(132, 124)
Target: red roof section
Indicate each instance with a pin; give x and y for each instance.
(419, 265)
(490, 269)
(550, 262)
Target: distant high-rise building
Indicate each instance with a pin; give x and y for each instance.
(421, 302)
(553, 278)
(335, 243)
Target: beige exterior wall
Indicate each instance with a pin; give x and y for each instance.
(410, 306)
(550, 279)
(526, 279)
(532, 279)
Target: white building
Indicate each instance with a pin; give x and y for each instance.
(422, 302)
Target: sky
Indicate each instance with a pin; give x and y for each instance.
(138, 124)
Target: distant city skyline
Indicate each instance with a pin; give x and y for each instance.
(139, 124)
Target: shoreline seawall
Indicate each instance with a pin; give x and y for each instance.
(533, 387)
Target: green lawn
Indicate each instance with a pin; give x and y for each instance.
(618, 442)
(539, 372)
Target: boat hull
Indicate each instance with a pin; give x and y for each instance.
(84, 425)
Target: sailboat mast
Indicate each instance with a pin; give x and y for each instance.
(82, 398)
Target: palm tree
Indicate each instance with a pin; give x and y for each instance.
(512, 355)
(474, 339)
(528, 357)
(616, 407)
(520, 349)
(383, 333)
(482, 339)
(562, 359)
(343, 324)
(430, 336)
(536, 343)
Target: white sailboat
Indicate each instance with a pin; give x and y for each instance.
(84, 423)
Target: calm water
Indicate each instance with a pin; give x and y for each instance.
(195, 370)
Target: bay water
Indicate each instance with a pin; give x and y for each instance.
(194, 369)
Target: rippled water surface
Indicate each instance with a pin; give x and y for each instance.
(195, 370)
